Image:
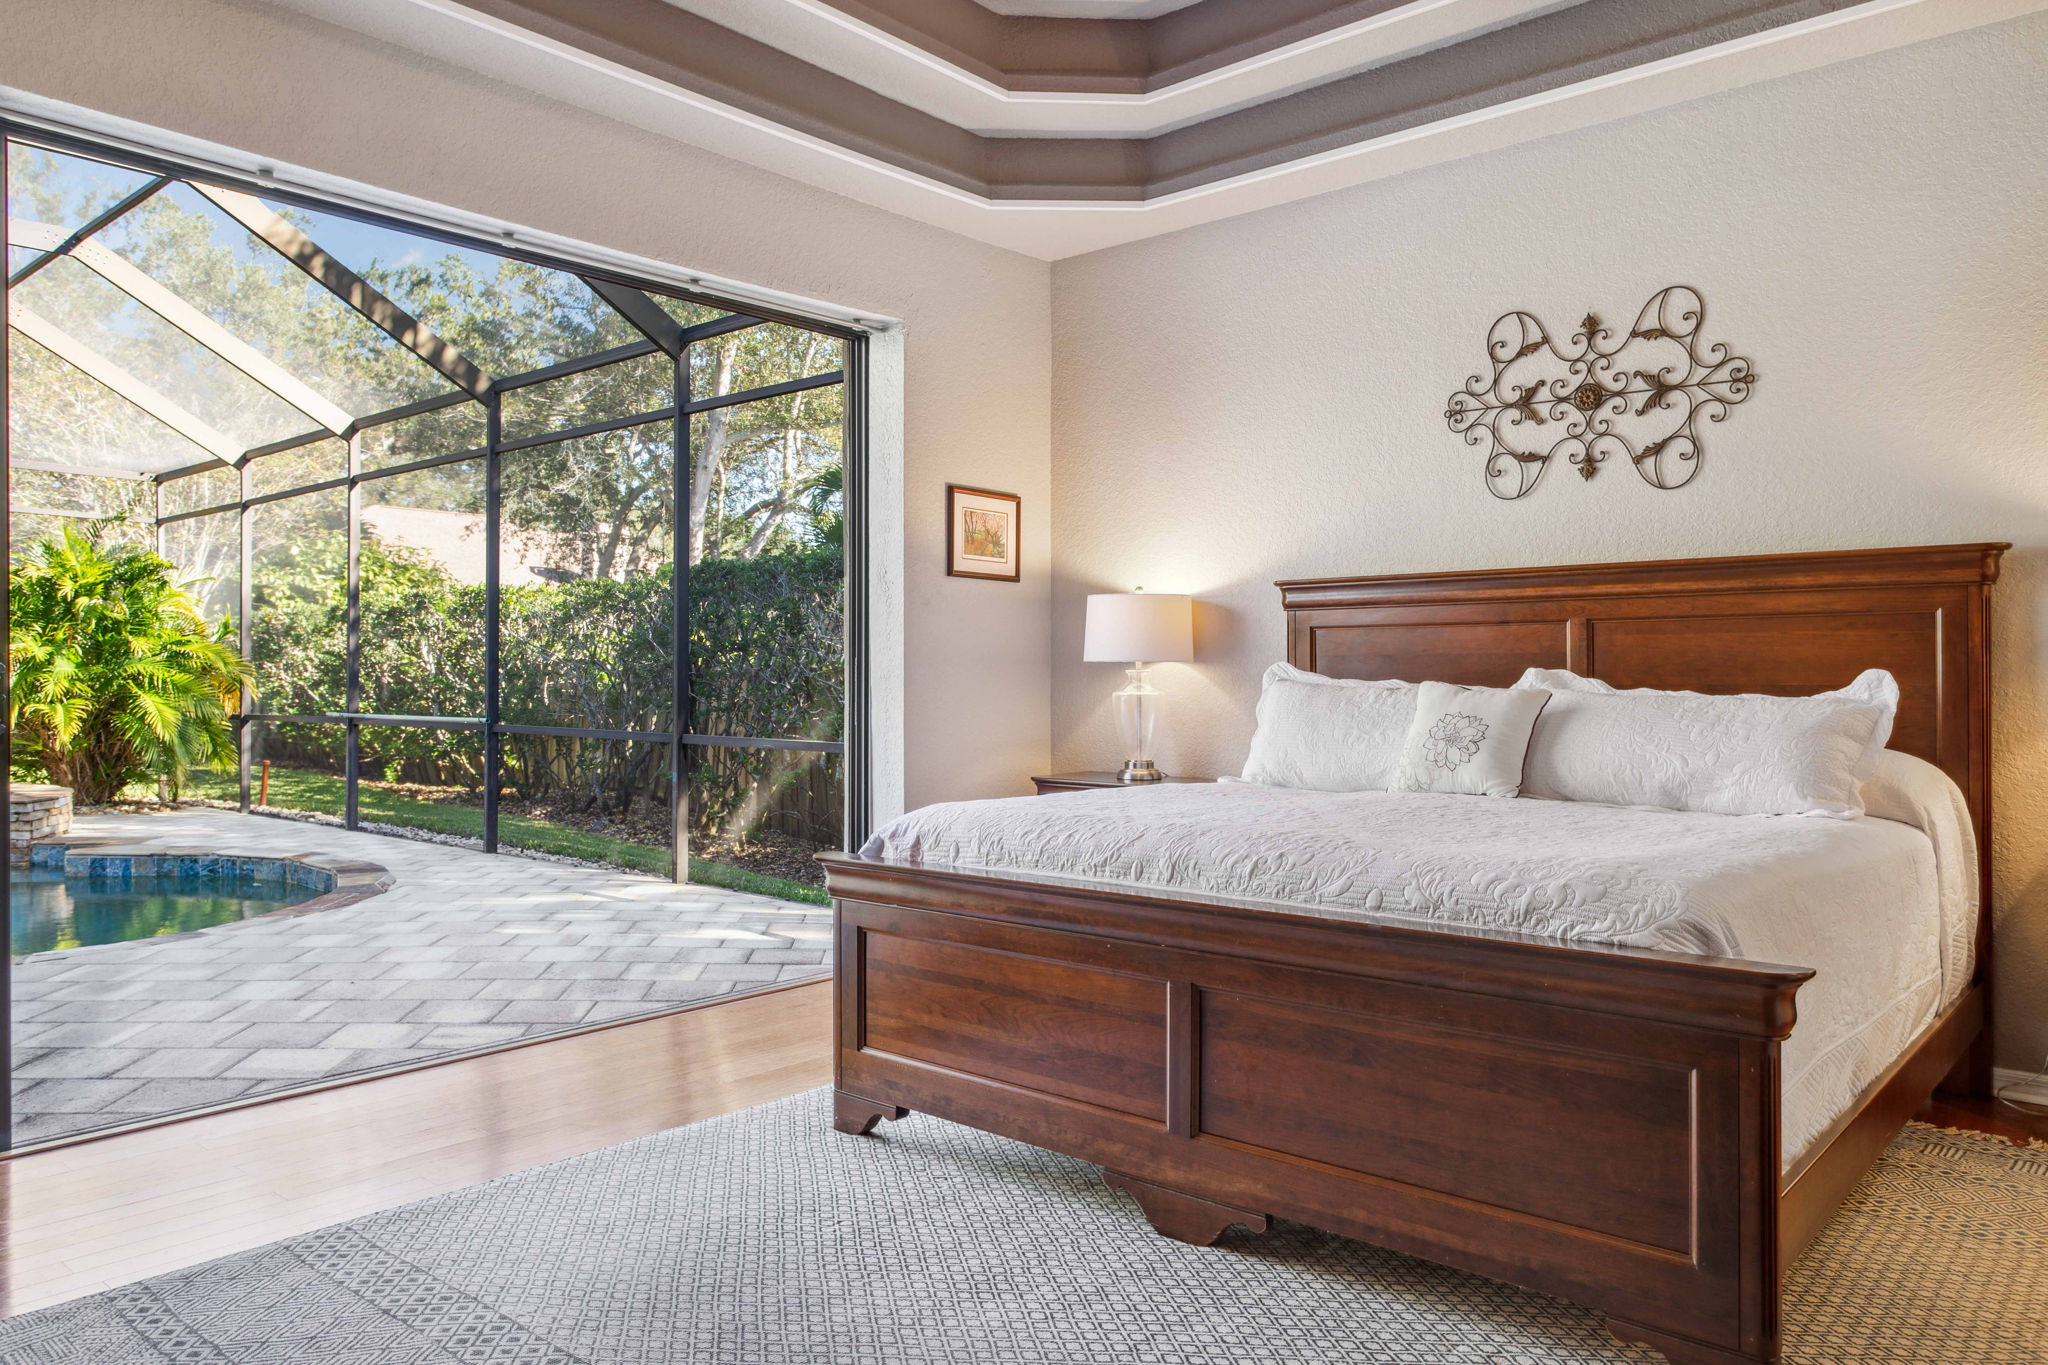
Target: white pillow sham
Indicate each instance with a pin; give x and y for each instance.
(1744, 754)
(1328, 734)
(1469, 741)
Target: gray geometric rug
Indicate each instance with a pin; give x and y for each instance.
(765, 1238)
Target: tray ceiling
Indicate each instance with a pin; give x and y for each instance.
(1053, 131)
(1087, 9)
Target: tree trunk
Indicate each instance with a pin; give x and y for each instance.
(788, 488)
(706, 457)
(608, 551)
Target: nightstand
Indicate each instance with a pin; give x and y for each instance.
(1050, 783)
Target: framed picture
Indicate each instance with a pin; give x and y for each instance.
(981, 533)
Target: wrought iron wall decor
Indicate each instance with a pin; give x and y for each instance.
(1642, 396)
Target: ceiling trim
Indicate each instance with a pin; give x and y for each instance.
(1033, 53)
(1565, 46)
(460, 35)
(1087, 9)
(685, 51)
(819, 32)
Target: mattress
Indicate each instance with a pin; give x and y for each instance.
(1883, 909)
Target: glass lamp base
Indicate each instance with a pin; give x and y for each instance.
(1137, 710)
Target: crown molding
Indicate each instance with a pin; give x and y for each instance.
(1589, 40)
(1087, 9)
(975, 98)
(1032, 53)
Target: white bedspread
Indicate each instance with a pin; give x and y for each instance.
(1881, 909)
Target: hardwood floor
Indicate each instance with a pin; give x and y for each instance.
(96, 1214)
(101, 1213)
(1985, 1116)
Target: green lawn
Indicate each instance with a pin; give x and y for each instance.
(299, 789)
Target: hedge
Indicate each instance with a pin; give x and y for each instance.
(766, 660)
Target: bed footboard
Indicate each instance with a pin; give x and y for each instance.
(1599, 1124)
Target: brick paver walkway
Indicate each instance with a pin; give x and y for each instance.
(465, 951)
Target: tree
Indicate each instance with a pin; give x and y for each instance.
(116, 675)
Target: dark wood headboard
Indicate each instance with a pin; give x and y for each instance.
(1785, 624)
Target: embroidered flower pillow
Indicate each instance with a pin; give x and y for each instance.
(1468, 740)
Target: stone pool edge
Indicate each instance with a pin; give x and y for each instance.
(350, 880)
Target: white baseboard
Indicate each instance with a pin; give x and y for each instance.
(2026, 1086)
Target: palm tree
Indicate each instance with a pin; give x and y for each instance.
(116, 675)
(828, 519)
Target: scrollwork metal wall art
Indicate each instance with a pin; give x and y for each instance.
(1592, 397)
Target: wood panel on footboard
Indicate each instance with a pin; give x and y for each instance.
(1602, 1124)
(1597, 1124)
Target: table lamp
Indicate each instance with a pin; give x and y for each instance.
(1140, 628)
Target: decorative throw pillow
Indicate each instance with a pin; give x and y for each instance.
(1328, 734)
(1469, 740)
(1743, 754)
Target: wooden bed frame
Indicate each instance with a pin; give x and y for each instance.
(1601, 1124)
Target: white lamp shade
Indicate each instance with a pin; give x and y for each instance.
(1139, 627)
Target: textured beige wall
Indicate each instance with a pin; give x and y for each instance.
(975, 363)
(1263, 398)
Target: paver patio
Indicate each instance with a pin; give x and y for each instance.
(466, 950)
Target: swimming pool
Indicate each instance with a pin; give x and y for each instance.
(53, 911)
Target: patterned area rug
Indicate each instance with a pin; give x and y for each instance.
(764, 1238)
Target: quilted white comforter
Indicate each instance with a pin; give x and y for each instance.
(1883, 910)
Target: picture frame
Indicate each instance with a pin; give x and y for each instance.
(982, 533)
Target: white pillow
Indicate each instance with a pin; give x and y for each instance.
(1328, 734)
(1914, 792)
(1744, 754)
(1469, 740)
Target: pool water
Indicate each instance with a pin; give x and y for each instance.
(54, 911)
